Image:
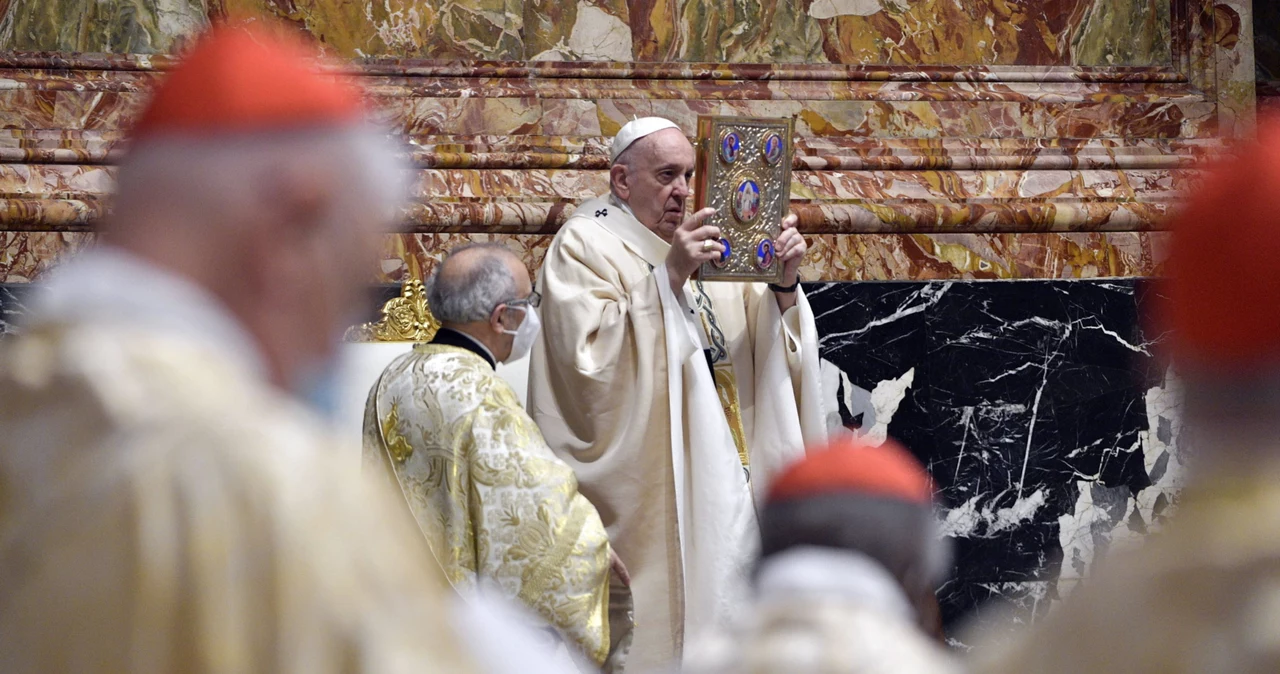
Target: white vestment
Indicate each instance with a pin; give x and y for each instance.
(164, 508)
(666, 471)
(827, 610)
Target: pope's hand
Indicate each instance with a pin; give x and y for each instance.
(615, 563)
(791, 249)
(692, 244)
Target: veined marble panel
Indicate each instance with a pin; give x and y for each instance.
(54, 196)
(11, 307)
(24, 256)
(871, 257)
(1040, 408)
(1234, 61)
(1106, 116)
(914, 32)
(1266, 43)
(500, 152)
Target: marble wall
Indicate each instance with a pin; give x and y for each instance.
(1040, 408)
(893, 32)
(1000, 172)
(1266, 25)
(1003, 142)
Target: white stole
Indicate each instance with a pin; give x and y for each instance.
(716, 518)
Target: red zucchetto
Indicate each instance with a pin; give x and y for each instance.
(242, 78)
(1223, 306)
(850, 465)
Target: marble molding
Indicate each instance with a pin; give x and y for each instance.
(1041, 409)
(872, 257)
(70, 196)
(898, 32)
(25, 256)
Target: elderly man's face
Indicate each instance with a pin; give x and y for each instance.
(656, 182)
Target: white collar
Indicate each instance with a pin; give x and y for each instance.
(617, 218)
(828, 572)
(108, 286)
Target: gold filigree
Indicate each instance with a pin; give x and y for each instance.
(406, 318)
(397, 445)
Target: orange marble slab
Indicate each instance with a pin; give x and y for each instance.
(871, 257)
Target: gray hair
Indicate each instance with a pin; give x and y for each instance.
(463, 296)
(211, 175)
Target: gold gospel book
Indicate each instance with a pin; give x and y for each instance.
(744, 172)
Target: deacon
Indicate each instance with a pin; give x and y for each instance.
(167, 503)
(850, 560)
(493, 501)
(1201, 595)
(669, 397)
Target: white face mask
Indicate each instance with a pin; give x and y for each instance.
(526, 334)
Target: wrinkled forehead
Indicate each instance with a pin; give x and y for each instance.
(666, 147)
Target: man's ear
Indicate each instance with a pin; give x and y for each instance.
(618, 180)
(495, 319)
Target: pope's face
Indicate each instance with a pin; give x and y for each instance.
(657, 180)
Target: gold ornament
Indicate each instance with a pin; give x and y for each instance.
(406, 318)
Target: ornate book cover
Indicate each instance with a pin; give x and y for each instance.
(744, 172)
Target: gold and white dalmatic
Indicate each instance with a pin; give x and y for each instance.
(163, 508)
(492, 500)
(621, 388)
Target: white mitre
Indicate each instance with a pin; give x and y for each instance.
(635, 130)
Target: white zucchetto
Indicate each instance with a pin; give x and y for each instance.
(635, 130)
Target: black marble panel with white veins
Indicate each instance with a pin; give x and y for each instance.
(11, 306)
(1039, 407)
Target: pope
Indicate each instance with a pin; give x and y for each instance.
(670, 397)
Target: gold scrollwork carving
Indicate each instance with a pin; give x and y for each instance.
(406, 318)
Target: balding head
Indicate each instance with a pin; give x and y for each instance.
(470, 292)
(652, 177)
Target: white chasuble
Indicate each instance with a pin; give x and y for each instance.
(494, 503)
(658, 401)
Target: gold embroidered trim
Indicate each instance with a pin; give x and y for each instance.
(727, 387)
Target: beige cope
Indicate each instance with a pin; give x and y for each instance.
(492, 500)
(621, 388)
